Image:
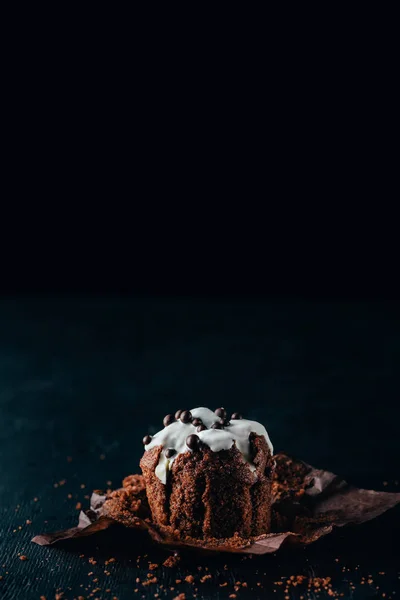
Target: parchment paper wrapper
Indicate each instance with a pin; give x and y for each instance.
(308, 504)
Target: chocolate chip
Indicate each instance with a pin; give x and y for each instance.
(236, 416)
(220, 412)
(169, 452)
(178, 414)
(216, 425)
(186, 416)
(201, 427)
(225, 423)
(168, 419)
(197, 422)
(146, 440)
(192, 441)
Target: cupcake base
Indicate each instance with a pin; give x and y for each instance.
(212, 494)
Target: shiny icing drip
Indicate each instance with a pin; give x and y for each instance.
(174, 436)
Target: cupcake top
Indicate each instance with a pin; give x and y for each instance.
(189, 431)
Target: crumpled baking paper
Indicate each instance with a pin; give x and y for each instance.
(308, 504)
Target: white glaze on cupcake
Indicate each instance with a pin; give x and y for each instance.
(174, 436)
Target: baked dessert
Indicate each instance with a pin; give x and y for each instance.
(208, 476)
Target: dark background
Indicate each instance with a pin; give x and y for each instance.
(270, 288)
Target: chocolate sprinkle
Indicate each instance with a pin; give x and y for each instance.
(220, 412)
(146, 440)
(236, 416)
(201, 427)
(168, 419)
(193, 441)
(186, 416)
(197, 422)
(178, 413)
(216, 425)
(169, 452)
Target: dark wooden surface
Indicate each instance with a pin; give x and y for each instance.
(86, 379)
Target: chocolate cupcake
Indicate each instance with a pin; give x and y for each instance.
(208, 476)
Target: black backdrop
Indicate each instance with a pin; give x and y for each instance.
(286, 311)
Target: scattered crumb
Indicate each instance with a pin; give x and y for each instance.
(102, 456)
(28, 522)
(78, 505)
(172, 561)
(92, 561)
(180, 597)
(203, 579)
(189, 578)
(153, 566)
(149, 581)
(23, 557)
(83, 486)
